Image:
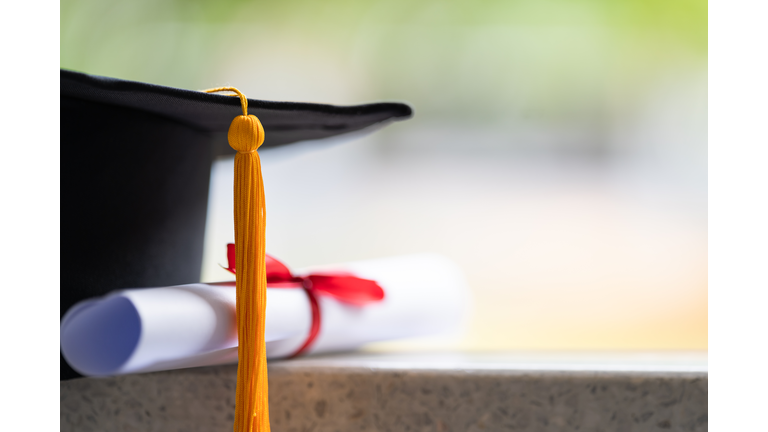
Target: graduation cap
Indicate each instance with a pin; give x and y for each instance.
(135, 174)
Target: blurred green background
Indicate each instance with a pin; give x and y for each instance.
(558, 151)
(577, 61)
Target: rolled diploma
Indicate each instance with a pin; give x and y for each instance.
(151, 329)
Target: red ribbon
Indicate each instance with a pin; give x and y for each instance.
(342, 286)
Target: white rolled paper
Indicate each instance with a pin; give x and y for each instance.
(151, 329)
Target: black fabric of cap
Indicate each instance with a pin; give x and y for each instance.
(135, 168)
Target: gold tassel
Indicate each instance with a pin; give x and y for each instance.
(252, 399)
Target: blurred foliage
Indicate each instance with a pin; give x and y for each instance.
(485, 60)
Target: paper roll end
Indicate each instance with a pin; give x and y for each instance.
(98, 338)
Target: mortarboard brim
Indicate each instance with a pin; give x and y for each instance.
(284, 122)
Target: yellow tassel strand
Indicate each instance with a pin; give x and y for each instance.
(251, 407)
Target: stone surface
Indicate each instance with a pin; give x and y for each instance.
(440, 392)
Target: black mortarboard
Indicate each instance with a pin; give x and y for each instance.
(135, 175)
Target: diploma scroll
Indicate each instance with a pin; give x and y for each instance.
(151, 329)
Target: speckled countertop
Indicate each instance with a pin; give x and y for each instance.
(412, 392)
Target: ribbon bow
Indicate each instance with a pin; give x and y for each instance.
(341, 286)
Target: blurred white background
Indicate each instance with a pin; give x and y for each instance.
(561, 251)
